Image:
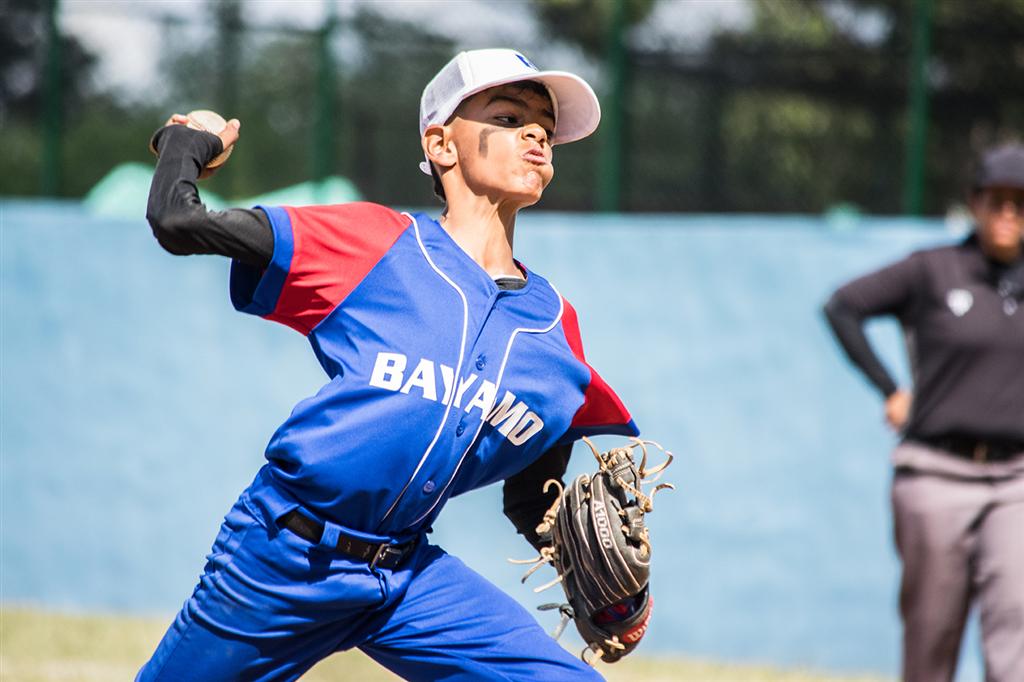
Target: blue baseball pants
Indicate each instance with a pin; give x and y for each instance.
(269, 605)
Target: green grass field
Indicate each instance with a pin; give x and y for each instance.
(38, 646)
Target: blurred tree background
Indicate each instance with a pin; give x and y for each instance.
(806, 106)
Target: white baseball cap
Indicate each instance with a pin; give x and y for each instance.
(577, 111)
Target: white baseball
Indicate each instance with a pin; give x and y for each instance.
(211, 122)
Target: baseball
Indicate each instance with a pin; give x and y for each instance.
(211, 122)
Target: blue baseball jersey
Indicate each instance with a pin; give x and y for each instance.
(440, 382)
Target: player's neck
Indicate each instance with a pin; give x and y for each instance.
(485, 232)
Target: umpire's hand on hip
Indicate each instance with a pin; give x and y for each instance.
(897, 408)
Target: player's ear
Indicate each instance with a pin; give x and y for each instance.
(438, 146)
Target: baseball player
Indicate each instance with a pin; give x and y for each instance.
(958, 488)
(450, 366)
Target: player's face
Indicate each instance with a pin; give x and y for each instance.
(999, 212)
(503, 138)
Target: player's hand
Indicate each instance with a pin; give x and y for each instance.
(213, 123)
(897, 408)
(229, 135)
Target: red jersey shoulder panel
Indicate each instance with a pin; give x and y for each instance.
(334, 247)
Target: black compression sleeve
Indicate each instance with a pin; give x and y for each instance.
(848, 327)
(177, 215)
(524, 498)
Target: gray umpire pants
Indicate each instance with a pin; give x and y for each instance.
(959, 529)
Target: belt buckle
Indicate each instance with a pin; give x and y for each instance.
(382, 552)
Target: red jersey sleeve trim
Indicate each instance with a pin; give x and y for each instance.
(602, 411)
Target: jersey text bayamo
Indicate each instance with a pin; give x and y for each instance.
(512, 418)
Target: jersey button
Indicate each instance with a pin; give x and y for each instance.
(481, 361)
(460, 429)
(428, 487)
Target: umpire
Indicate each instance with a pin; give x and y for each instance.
(958, 486)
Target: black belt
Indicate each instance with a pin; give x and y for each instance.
(383, 554)
(976, 449)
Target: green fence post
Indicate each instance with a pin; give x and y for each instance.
(323, 128)
(229, 27)
(609, 182)
(917, 135)
(50, 176)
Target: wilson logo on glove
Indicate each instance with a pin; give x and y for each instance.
(637, 633)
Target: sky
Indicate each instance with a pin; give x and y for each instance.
(126, 35)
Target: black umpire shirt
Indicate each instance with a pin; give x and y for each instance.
(183, 226)
(963, 320)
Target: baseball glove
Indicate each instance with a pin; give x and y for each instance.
(596, 537)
